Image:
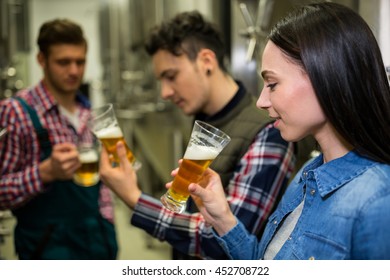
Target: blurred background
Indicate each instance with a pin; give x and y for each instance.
(119, 71)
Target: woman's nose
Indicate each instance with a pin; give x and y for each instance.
(263, 102)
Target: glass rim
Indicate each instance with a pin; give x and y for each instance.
(104, 109)
(213, 130)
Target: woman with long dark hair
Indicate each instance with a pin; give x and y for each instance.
(323, 76)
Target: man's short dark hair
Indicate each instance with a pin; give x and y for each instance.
(59, 31)
(186, 33)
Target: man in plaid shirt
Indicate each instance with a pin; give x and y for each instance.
(255, 166)
(56, 219)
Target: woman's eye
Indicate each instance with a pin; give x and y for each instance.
(271, 86)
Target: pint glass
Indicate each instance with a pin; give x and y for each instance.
(104, 125)
(88, 174)
(205, 144)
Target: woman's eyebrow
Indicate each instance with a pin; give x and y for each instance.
(266, 73)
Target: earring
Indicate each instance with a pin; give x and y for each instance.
(208, 73)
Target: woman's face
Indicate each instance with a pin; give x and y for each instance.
(288, 96)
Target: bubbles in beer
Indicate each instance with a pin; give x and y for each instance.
(196, 152)
(88, 174)
(109, 132)
(88, 156)
(205, 144)
(110, 136)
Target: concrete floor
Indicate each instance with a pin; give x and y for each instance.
(134, 244)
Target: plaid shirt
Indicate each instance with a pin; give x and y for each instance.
(252, 192)
(20, 151)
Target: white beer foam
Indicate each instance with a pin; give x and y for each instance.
(109, 132)
(88, 156)
(200, 152)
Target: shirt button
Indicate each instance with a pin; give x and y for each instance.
(312, 192)
(275, 222)
(289, 238)
(312, 258)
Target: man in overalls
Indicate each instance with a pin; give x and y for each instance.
(56, 219)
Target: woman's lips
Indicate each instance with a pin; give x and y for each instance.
(276, 122)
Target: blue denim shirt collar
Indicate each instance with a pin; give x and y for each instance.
(334, 174)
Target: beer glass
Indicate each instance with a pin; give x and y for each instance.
(88, 174)
(104, 124)
(205, 143)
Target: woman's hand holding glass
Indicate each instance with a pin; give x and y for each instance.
(210, 199)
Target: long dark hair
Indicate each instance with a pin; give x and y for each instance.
(340, 54)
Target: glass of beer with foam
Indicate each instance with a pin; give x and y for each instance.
(88, 174)
(205, 144)
(104, 125)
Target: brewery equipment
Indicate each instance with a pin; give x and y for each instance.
(14, 46)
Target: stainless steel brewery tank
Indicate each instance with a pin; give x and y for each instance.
(14, 46)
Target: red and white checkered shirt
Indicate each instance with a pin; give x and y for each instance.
(20, 151)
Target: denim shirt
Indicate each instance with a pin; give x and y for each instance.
(346, 214)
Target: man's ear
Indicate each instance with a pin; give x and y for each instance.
(41, 59)
(207, 60)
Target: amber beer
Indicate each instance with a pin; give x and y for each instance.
(205, 143)
(104, 124)
(110, 136)
(88, 174)
(195, 162)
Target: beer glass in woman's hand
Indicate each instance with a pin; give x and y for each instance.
(205, 144)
